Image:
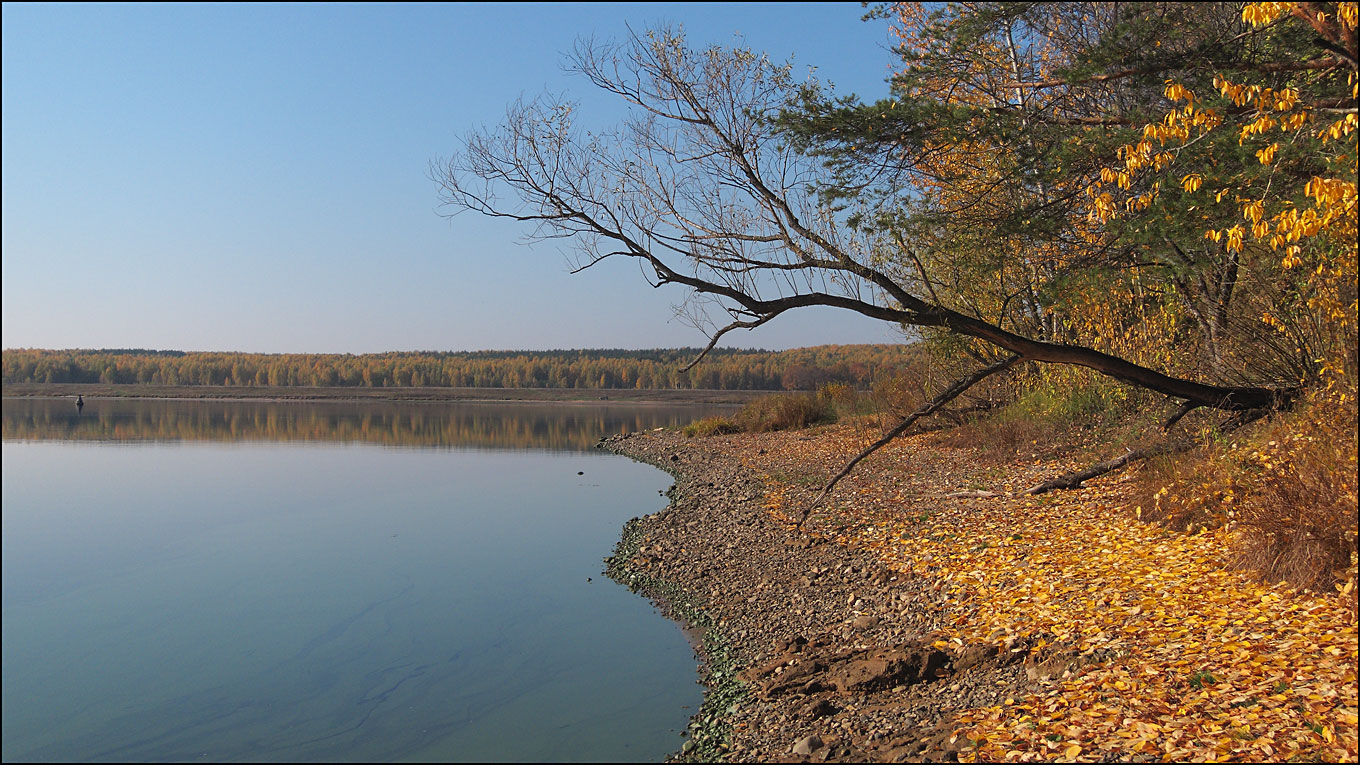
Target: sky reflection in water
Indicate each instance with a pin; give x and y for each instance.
(241, 599)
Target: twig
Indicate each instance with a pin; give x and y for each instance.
(1074, 480)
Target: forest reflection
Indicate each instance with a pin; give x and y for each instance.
(476, 425)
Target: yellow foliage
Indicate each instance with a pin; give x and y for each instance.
(1176, 656)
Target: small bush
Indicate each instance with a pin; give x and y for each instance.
(711, 426)
(1053, 405)
(786, 411)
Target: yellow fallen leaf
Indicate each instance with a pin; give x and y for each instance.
(1071, 752)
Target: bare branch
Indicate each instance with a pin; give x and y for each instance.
(932, 406)
(714, 340)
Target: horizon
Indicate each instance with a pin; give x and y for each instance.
(601, 349)
(257, 176)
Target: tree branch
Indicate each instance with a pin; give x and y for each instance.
(932, 406)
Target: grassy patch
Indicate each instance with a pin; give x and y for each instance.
(711, 426)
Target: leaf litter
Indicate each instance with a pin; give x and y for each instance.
(1162, 651)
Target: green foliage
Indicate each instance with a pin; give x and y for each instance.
(1200, 679)
(1172, 184)
(1066, 402)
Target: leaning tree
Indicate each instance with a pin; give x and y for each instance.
(708, 183)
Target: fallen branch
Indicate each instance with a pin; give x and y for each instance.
(932, 406)
(958, 416)
(1075, 480)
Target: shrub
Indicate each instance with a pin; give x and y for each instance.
(1289, 489)
(1046, 410)
(786, 412)
(711, 426)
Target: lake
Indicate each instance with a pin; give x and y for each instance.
(330, 581)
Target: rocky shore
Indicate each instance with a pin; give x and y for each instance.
(813, 650)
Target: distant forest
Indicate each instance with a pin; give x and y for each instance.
(660, 369)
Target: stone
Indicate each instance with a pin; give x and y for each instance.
(807, 745)
(865, 622)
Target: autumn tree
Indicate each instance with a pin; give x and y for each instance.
(1169, 183)
(705, 187)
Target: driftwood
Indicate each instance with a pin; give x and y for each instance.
(931, 407)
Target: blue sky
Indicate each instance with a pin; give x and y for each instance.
(254, 177)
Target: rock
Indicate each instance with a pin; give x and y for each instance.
(806, 746)
(822, 708)
(882, 669)
(865, 622)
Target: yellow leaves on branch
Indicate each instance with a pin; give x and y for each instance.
(1260, 14)
(1314, 234)
(1339, 129)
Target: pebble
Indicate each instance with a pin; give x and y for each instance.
(807, 745)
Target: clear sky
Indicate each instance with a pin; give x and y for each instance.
(254, 177)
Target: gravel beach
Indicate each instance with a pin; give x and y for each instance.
(814, 651)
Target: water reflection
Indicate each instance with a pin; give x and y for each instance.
(488, 425)
(234, 599)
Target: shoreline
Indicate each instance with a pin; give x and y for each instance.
(812, 651)
(931, 614)
(601, 396)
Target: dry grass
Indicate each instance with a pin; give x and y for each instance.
(1288, 489)
(789, 411)
(711, 426)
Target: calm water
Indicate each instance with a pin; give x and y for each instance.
(233, 581)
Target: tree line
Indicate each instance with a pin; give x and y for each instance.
(657, 369)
